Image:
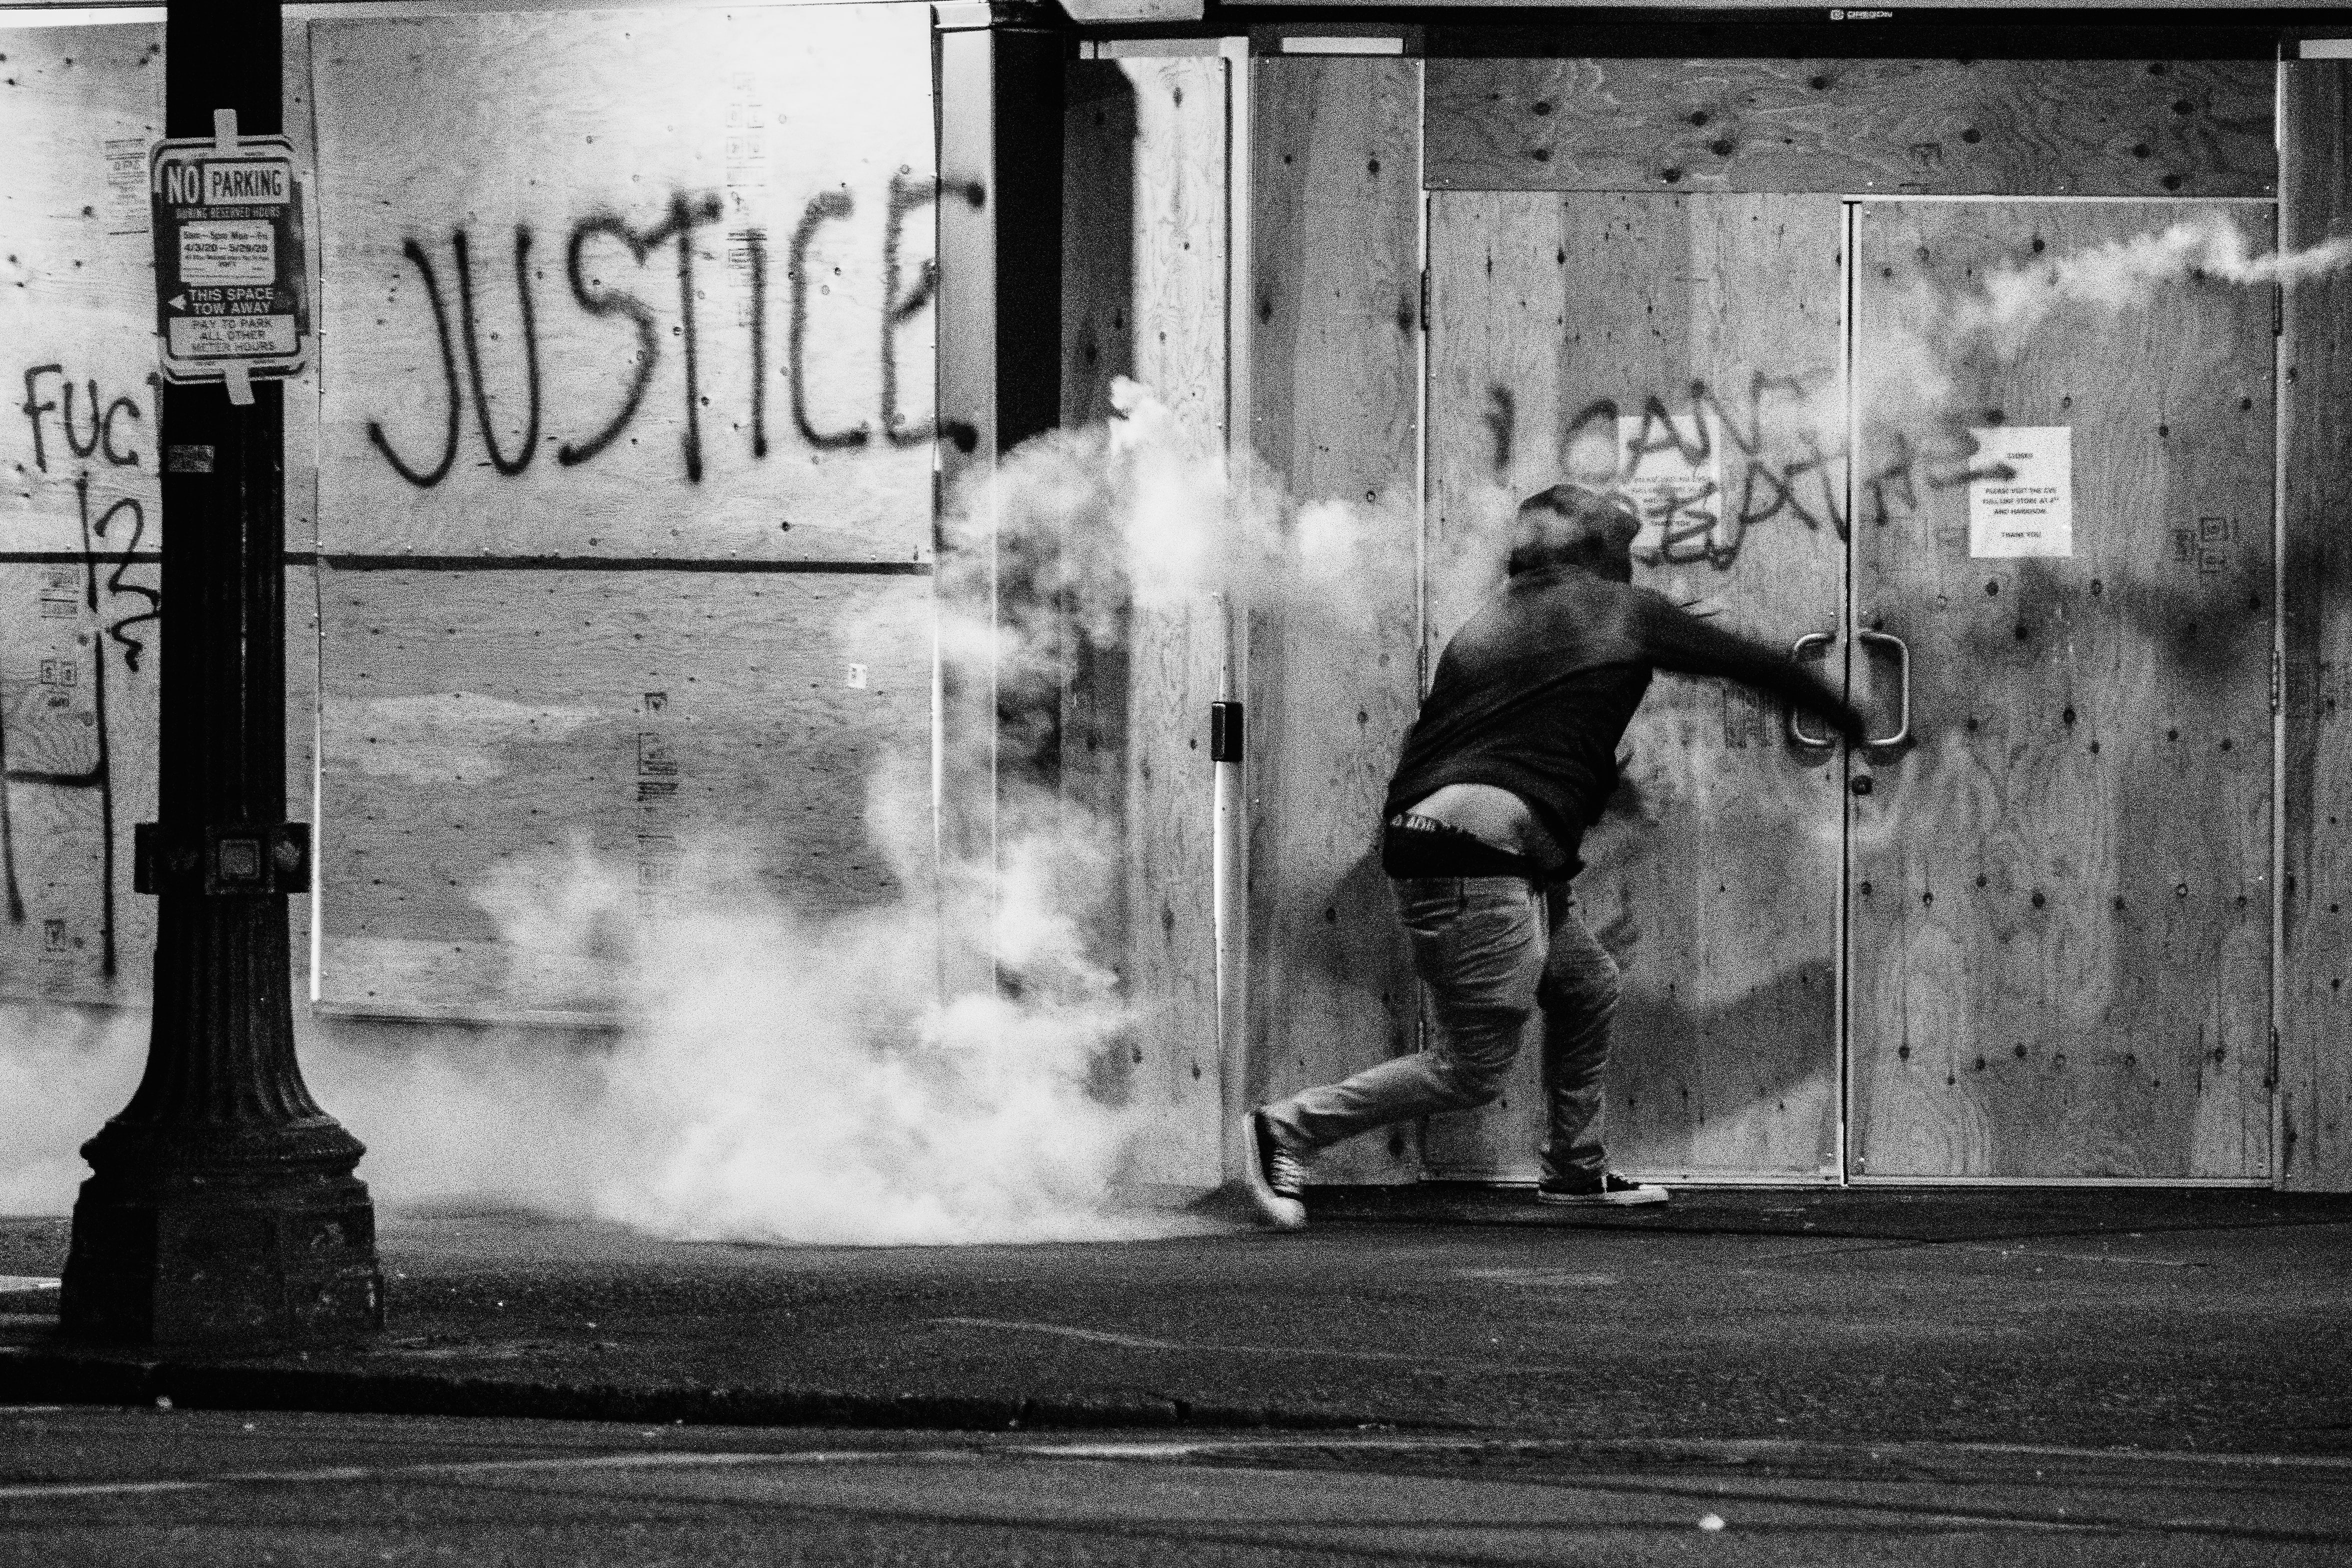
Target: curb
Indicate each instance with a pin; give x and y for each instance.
(33, 1378)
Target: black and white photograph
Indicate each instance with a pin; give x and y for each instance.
(1099, 784)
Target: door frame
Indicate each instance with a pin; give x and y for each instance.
(2277, 610)
(1843, 1043)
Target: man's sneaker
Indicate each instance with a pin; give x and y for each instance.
(1277, 1178)
(1612, 1188)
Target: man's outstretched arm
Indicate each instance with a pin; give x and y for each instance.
(1672, 638)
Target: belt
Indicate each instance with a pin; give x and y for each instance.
(1417, 846)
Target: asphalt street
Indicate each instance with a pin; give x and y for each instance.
(2159, 1322)
(1420, 1377)
(155, 1487)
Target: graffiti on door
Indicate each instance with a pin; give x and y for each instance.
(1709, 464)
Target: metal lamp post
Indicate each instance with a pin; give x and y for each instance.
(223, 1204)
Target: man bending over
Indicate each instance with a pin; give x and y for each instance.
(1513, 756)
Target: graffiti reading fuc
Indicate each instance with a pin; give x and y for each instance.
(676, 228)
(45, 396)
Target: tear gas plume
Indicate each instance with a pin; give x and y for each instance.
(781, 1075)
(2124, 274)
(1906, 380)
(63, 1071)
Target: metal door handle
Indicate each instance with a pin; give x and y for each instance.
(1796, 651)
(1902, 724)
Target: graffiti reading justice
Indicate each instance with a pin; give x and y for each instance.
(902, 298)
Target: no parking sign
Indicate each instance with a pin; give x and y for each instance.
(229, 299)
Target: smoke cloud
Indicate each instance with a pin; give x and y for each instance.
(777, 1076)
(1904, 383)
(774, 1075)
(63, 1071)
(2125, 274)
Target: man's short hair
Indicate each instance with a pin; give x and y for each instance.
(1574, 525)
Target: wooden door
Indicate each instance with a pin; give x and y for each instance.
(2060, 900)
(1690, 347)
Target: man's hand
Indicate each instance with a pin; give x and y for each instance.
(1825, 703)
(1671, 637)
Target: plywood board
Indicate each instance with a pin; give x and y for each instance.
(1144, 236)
(302, 391)
(301, 469)
(2146, 128)
(77, 689)
(2060, 901)
(77, 107)
(1134, 739)
(81, 524)
(1701, 324)
(79, 650)
(477, 723)
(1334, 359)
(721, 224)
(1144, 271)
(1100, 204)
(302, 760)
(969, 310)
(2314, 1011)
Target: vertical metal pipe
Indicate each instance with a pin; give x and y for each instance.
(1229, 842)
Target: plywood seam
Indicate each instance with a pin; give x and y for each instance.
(2269, 201)
(442, 10)
(2206, 1183)
(304, 559)
(2273, 1078)
(1848, 337)
(349, 562)
(1875, 196)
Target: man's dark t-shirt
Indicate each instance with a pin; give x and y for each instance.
(1534, 693)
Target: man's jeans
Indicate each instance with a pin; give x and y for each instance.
(1478, 946)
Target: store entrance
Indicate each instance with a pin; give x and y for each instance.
(2026, 934)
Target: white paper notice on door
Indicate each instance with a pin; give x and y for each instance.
(2022, 491)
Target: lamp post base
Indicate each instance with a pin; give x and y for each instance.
(281, 1256)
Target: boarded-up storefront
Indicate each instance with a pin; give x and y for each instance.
(610, 491)
(624, 465)
(1835, 323)
(650, 341)
(615, 493)
(80, 644)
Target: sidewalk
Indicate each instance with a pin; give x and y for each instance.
(2159, 1320)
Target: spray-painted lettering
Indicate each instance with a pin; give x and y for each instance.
(111, 434)
(1708, 518)
(902, 302)
(1709, 466)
